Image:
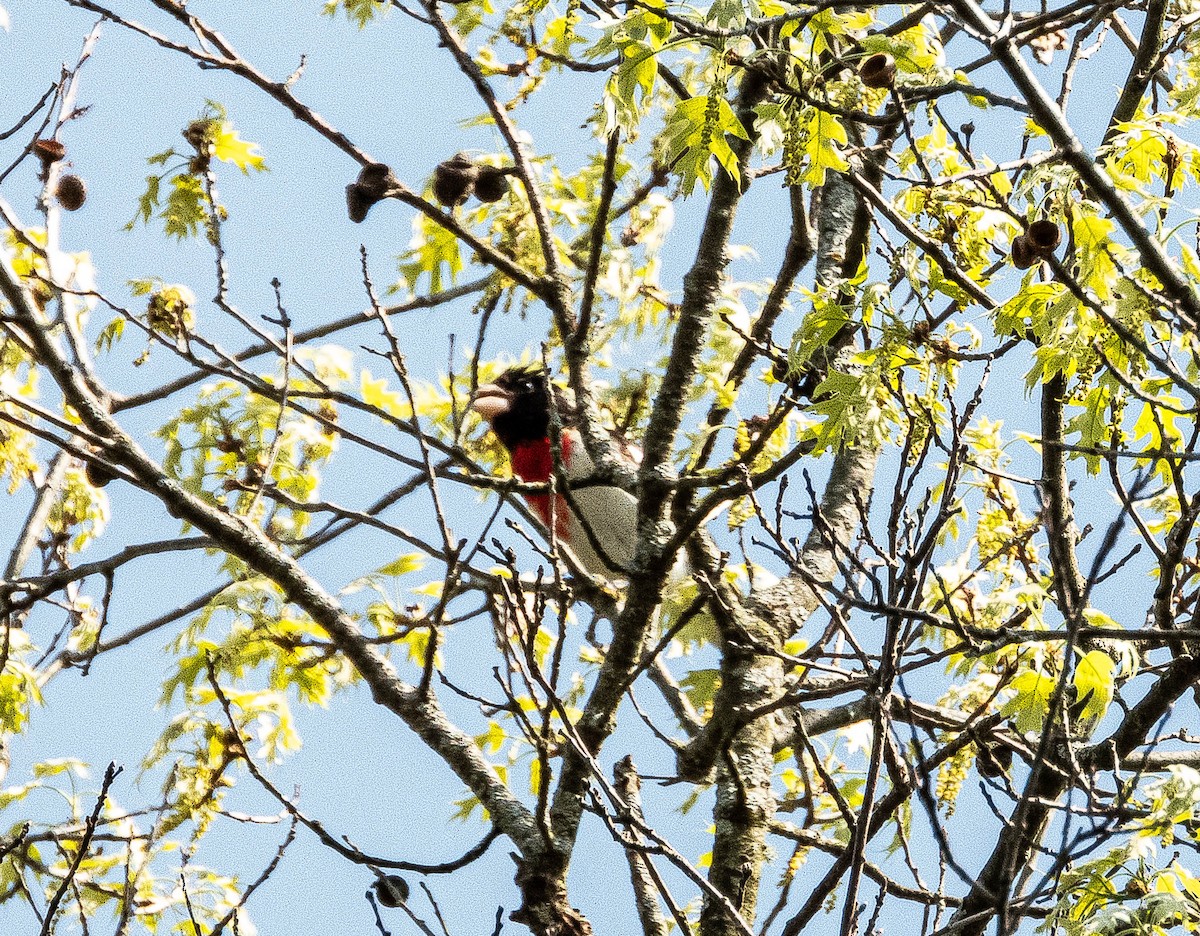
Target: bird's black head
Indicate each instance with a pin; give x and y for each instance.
(517, 405)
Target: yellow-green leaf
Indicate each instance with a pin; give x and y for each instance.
(1029, 708)
(402, 565)
(375, 393)
(1094, 682)
(228, 147)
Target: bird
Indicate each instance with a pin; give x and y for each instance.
(596, 522)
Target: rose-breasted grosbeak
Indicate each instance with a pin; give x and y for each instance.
(597, 522)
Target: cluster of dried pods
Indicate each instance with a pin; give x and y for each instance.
(454, 181)
(71, 190)
(457, 179)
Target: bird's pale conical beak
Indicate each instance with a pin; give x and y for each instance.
(491, 401)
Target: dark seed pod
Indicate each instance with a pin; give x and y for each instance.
(453, 180)
(49, 151)
(391, 890)
(357, 204)
(71, 192)
(878, 71)
(993, 760)
(374, 183)
(98, 475)
(1023, 256)
(491, 184)
(1043, 237)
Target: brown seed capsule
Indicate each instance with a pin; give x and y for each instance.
(993, 760)
(374, 183)
(491, 184)
(357, 204)
(878, 71)
(391, 890)
(42, 294)
(1043, 237)
(98, 475)
(49, 151)
(1023, 256)
(71, 192)
(454, 179)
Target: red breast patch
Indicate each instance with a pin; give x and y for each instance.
(534, 462)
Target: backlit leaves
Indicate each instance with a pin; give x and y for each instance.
(360, 12)
(188, 208)
(1031, 705)
(696, 133)
(433, 256)
(1093, 682)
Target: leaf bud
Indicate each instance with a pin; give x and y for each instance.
(98, 475)
(170, 310)
(375, 182)
(202, 135)
(357, 204)
(49, 151)
(994, 760)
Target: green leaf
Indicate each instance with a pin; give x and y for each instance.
(637, 72)
(147, 203)
(59, 765)
(433, 252)
(701, 687)
(375, 393)
(493, 739)
(1093, 682)
(824, 135)
(360, 12)
(110, 334)
(1031, 705)
(184, 213)
(1093, 424)
(696, 132)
